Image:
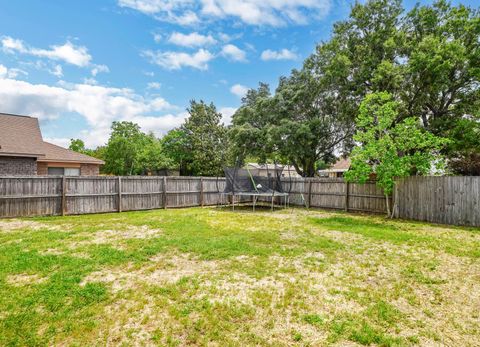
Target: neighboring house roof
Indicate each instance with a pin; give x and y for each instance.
(59, 154)
(21, 136)
(341, 165)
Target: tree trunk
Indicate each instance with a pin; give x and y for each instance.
(388, 205)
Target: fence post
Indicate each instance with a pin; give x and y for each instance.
(164, 192)
(309, 193)
(119, 194)
(201, 191)
(347, 188)
(64, 193)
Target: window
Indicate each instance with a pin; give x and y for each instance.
(67, 171)
(55, 171)
(72, 171)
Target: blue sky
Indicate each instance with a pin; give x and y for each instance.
(79, 65)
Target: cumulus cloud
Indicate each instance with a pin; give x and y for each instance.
(227, 113)
(57, 71)
(176, 60)
(174, 11)
(68, 52)
(239, 90)
(99, 68)
(11, 73)
(154, 85)
(283, 54)
(234, 53)
(98, 105)
(254, 12)
(191, 40)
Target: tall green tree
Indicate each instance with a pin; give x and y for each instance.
(200, 145)
(428, 59)
(78, 145)
(390, 148)
(122, 152)
(300, 124)
(129, 151)
(249, 132)
(175, 147)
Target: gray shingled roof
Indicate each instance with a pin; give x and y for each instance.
(21, 136)
(60, 154)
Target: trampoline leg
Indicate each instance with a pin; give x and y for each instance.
(272, 202)
(254, 201)
(233, 202)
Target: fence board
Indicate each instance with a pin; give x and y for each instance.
(447, 199)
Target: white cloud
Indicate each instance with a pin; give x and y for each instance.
(57, 71)
(234, 53)
(154, 85)
(227, 113)
(283, 54)
(68, 53)
(239, 90)
(157, 37)
(99, 68)
(254, 12)
(191, 40)
(11, 73)
(98, 105)
(11, 45)
(177, 60)
(173, 11)
(91, 81)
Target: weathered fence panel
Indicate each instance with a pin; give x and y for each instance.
(57, 195)
(141, 193)
(30, 196)
(446, 199)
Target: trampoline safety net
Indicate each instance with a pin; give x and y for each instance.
(250, 181)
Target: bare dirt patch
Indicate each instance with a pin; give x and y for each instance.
(162, 269)
(24, 279)
(17, 224)
(111, 236)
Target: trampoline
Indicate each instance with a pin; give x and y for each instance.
(255, 183)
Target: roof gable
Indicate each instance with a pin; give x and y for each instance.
(20, 136)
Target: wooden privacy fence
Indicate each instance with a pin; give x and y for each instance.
(60, 195)
(446, 199)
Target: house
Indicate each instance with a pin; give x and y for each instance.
(336, 170)
(268, 169)
(23, 152)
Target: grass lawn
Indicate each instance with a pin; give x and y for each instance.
(215, 277)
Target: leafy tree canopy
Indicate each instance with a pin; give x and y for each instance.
(129, 151)
(200, 145)
(389, 148)
(428, 59)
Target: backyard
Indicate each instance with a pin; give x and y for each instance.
(210, 276)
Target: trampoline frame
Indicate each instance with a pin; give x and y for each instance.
(237, 191)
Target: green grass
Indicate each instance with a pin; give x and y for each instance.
(213, 276)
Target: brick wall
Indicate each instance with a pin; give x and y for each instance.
(89, 170)
(42, 169)
(17, 166)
